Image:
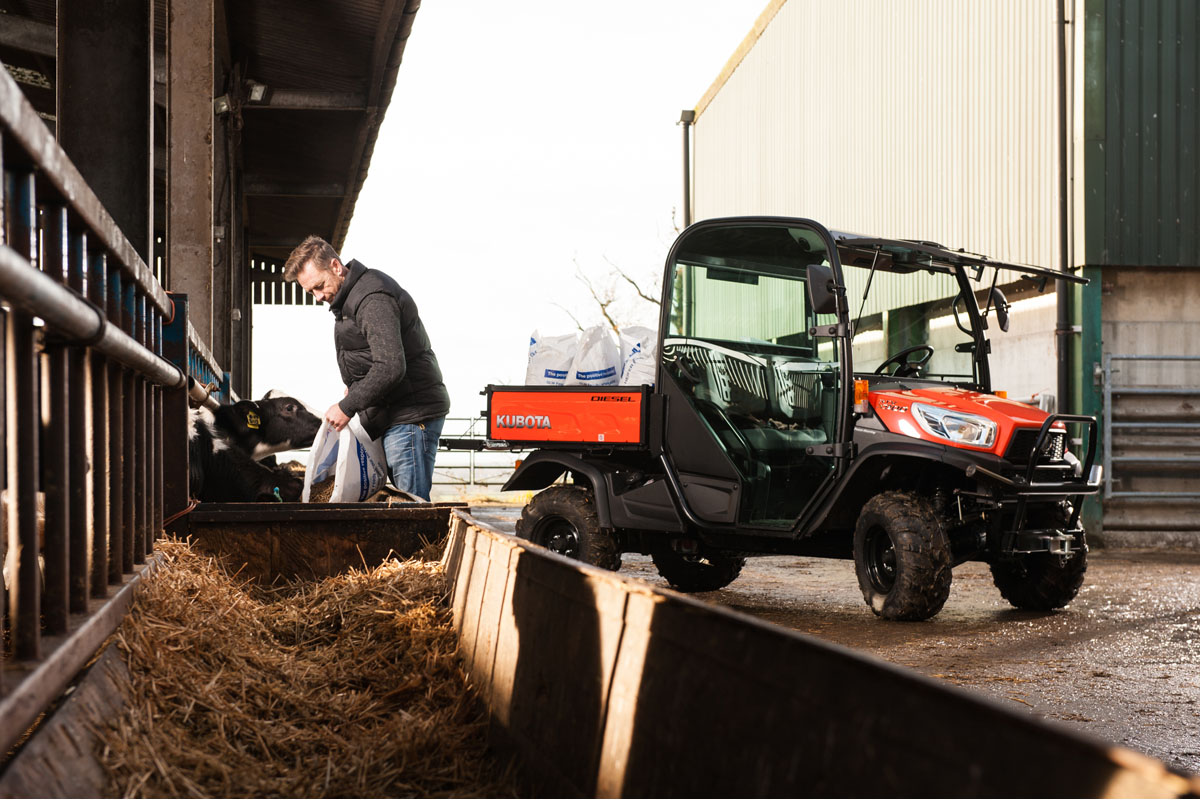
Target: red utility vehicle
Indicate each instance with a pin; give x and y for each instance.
(818, 393)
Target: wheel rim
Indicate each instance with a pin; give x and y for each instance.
(881, 560)
(558, 535)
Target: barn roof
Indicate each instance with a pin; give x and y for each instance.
(328, 69)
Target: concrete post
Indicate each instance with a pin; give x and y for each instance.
(190, 158)
(105, 115)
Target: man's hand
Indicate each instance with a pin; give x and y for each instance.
(336, 419)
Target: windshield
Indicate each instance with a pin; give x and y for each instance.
(899, 307)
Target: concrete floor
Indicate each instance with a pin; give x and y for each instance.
(1121, 663)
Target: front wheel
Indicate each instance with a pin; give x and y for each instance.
(697, 573)
(902, 557)
(1041, 581)
(563, 519)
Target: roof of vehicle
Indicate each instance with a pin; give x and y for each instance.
(909, 255)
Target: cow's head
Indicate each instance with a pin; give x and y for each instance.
(284, 486)
(284, 423)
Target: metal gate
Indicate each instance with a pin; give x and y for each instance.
(1151, 443)
(92, 398)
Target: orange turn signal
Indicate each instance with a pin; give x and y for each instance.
(1002, 394)
(861, 390)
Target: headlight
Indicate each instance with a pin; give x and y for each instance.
(955, 425)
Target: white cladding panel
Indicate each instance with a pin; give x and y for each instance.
(931, 119)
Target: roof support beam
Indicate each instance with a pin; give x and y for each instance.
(190, 158)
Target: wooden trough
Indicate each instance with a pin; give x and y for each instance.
(315, 540)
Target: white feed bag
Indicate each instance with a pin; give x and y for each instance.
(597, 363)
(550, 359)
(638, 356)
(357, 464)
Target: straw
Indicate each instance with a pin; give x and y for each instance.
(348, 687)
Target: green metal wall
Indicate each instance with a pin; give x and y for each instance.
(1142, 132)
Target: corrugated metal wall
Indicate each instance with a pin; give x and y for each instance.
(913, 118)
(1143, 132)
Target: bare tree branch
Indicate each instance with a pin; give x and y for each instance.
(633, 283)
(602, 302)
(569, 314)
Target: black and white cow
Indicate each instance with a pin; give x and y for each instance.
(225, 447)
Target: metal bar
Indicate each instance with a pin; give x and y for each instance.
(22, 428)
(29, 132)
(129, 517)
(1156, 390)
(1157, 425)
(31, 291)
(201, 351)
(1137, 495)
(137, 552)
(80, 536)
(1108, 409)
(19, 710)
(128, 470)
(24, 595)
(97, 291)
(157, 449)
(116, 436)
(1157, 459)
(1133, 357)
(55, 421)
(174, 347)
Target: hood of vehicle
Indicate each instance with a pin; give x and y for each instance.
(894, 408)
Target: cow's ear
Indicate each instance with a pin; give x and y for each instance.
(248, 414)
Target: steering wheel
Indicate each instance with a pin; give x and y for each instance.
(906, 368)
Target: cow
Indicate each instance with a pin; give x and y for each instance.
(225, 447)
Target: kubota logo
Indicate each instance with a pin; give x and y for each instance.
(523, 421)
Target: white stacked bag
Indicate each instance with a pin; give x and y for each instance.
(550, 359)
(597, 360)
(639, 356)
(593, 358)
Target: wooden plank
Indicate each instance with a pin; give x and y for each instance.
(60, 759)
(44, 681)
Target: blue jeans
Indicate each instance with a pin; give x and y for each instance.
(410, 450)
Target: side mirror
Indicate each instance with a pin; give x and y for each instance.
(821, 294)
(1000, 302)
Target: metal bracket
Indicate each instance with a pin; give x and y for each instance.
(842, 329)
(838, 450)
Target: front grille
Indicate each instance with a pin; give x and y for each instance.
(1023, 441)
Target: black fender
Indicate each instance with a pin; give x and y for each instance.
(543, 467)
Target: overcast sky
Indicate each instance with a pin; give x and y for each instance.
(521, 140)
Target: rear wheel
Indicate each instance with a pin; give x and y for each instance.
(697, 573)
(1042, 581)
(902, 557)
(563, 519)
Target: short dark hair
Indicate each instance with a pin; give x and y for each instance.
(314, 249)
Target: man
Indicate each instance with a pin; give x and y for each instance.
(392, 377)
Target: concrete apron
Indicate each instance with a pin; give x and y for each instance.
(609, 687)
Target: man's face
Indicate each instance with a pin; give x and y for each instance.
(322, 283)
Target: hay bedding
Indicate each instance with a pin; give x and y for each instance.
(344, 688)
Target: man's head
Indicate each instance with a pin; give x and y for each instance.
(316, 266)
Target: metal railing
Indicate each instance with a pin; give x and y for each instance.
(473, 468)
(1158, 452)
(86, 388)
